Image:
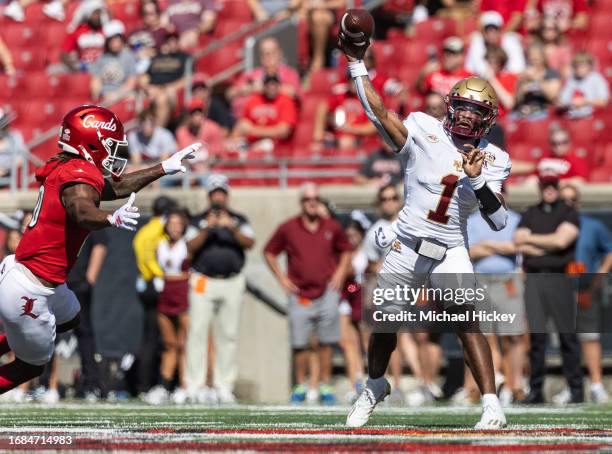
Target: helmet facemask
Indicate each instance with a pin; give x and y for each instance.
(486, 117)
(113, 163)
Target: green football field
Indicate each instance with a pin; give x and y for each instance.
(131, 427)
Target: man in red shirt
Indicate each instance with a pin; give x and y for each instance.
(318, 255)
(269, 117)
(563, 160)
(569, 14)
(34, 299)
(439, 77)
(84, 45)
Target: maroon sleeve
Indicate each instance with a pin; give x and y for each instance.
(341, 241)
(278, 242)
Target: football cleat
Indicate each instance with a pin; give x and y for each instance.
(493, 418)
(364, 406)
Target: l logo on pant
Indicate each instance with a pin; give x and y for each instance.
(27, 307)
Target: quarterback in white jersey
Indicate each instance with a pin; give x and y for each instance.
(451, 171)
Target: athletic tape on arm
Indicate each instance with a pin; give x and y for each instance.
(491, 207)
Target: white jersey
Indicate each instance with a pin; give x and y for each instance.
(438, 194)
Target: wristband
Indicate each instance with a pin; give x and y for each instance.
(357, 69)
(478, 181)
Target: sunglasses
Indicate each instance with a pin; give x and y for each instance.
(394, 198)
(559, 143)
(310, 199)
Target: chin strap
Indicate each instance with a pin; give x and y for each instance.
(491, 208)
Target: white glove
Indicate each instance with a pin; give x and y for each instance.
(158, 284)
(174, 163)
(125, 217)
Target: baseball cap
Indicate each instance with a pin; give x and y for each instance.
(217, 181)
(113, 28)
(200, 80)
(453, 44)
(491, 18)
(195, 104)
(548, 179)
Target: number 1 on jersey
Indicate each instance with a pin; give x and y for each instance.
(450, 184)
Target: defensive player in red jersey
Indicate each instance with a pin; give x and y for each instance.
(35, 302)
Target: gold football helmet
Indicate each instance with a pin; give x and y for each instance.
(476, 95)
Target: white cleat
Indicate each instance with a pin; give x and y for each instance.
(364, 406)
(493, 418)
(599, 395)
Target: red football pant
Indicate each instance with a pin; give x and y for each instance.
(17, 372)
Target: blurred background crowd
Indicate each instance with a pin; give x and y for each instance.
(262, 84)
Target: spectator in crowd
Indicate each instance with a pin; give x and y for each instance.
(318, 255)
(265, 9)
(593, 255)
(12, 145)
(439, 77)
(165, 77)
(146, 40)
(172, 308)
(217, 287)
(197, 127)
(503, 82)
(538, 87)
(344, 116)
(6, 59)
(494, 256)
(569, 14)
(491, 23)
(81, 281)
(511, 12)
(114, 72)
(563, 160)
(149, 142)
(382, 167)
(192, 18)
(435, 106)
(217, 110)
(546, 237)
(85, 44)
(585, 90)
(558, 51)
(321, 17)
(149, 284)
(271, 62)
(269, 117)
(350, 304)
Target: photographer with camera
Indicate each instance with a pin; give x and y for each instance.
(216, 289)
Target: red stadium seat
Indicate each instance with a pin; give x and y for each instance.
(127, 12)
(321, 81)
(235, 10)
(30, 59)
(601, 48)
(434, 30)
(220, 60)
(17, 36)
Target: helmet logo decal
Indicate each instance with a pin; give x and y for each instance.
(66, 135)
(90, 122)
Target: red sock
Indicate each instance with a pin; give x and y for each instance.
(4, 346)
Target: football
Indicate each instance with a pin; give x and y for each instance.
(356, 29)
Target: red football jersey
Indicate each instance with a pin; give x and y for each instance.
(51, 242)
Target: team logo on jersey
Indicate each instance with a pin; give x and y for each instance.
(27, 307)
(90, 122)
(397, 246)
(458, 165)
(432, 138)
(489, 159)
